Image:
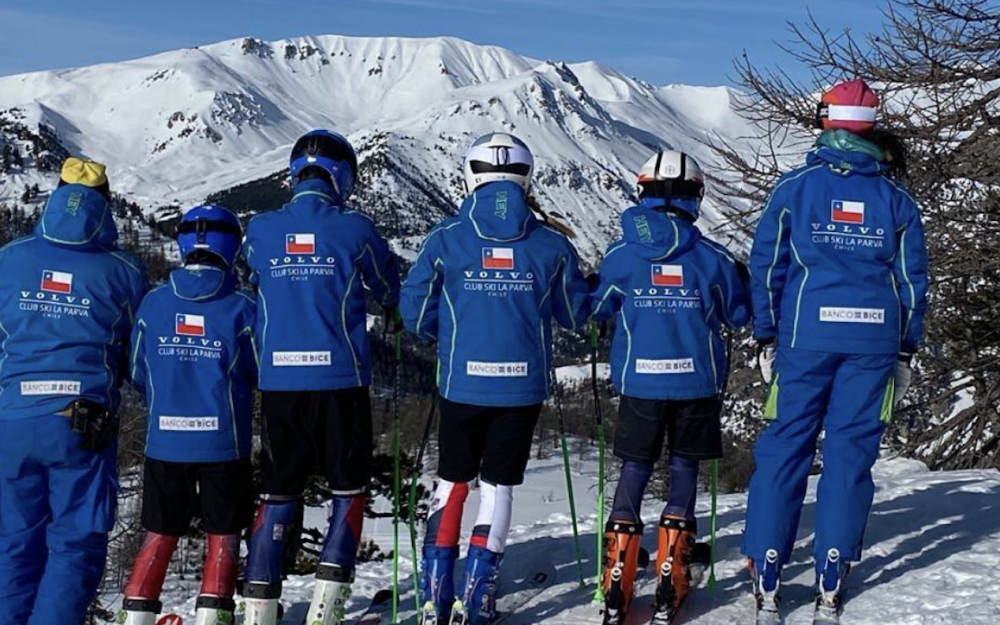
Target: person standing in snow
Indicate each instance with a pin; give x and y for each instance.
(839, 289)
(673, 293)
(194, 360)
(312, 262)
(68, 298)
(486, 287)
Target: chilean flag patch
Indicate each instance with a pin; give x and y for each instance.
(57, 282)
(300, 244)
(498, 258)
(848, 212)
(190, 325)
(668, 275)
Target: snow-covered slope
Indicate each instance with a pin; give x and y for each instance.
(179, 126)
(932, 556)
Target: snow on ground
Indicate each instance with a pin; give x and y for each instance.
(575, 374)
(933, 554)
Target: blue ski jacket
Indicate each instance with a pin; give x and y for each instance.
(672, 291)
(311, 262)
(839, 263)
(193, 359)
(486, 287)
(68, 297)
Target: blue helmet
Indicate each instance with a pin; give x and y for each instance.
(330, 152)
(212, 229)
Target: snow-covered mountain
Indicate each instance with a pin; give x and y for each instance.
(178, 127)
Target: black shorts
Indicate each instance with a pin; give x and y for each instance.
(693, 428)
(487, 441)
(174, 493)
(307, 432)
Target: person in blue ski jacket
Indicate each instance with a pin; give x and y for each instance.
(312, 263)
(839, 287)
(68, 298)
(672, 293)
(486, 287)
(194, 360)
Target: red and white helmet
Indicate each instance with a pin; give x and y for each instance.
(851, 106)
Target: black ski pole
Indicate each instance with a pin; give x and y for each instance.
(414, 481)
(569, 477)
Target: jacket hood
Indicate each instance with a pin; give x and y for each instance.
(202, 282)
(658, 235)
(77, 216)
(847, 161)
(315, 191)
(498, 211)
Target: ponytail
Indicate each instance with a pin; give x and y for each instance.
(547, 219)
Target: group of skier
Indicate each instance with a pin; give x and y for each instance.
(836, 291)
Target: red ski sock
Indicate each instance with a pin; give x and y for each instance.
(150, 567)
(221, 556)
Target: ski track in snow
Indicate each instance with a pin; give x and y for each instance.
(932, 554)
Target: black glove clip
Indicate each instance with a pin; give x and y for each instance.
(96, 425)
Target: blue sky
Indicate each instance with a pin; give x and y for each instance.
(662, 41)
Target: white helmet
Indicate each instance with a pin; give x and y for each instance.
(498, 156)
(670, 174)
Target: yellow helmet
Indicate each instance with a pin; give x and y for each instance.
(88, 173)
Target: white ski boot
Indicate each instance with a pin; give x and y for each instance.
(766, 586)
(333, 590)
(829, 595)
(212, 610)
(262, 604)
(139, 612)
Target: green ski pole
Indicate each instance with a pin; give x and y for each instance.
(569, 482)
(396, 480)
(594, 337)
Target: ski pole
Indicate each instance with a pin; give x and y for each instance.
(598, 414)
(569, 480)
(414, 481)
(715, 465)
(396, 479)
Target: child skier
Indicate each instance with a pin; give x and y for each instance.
(194, 360)
(312, 262)
(486, 287)
(672, 292)
(839, 292)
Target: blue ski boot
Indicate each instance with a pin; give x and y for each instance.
(438, 584)
(479, 586)
(830, 589)
(766, 584)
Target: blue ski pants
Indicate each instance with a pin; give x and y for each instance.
(850, 397)
(57, 506)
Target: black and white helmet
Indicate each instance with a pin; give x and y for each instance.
(673, 176)
(498, 156)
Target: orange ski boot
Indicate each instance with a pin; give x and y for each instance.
(677, 566)
(621, 562)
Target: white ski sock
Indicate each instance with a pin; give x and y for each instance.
(496, 505)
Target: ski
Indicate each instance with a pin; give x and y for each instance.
(523, 592)
(379, 611)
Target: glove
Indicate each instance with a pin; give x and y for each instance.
(904, 376)
(393, 321)
(767, 353)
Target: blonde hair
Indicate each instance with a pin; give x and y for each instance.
(547, 219)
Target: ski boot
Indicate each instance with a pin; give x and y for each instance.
(438, 584)
(621, 563)
(766, 577)
(830, 591)
(478, 605)
(262, 604)
(333, 590)
(139, 612)
(215, 611)
(680, 564)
